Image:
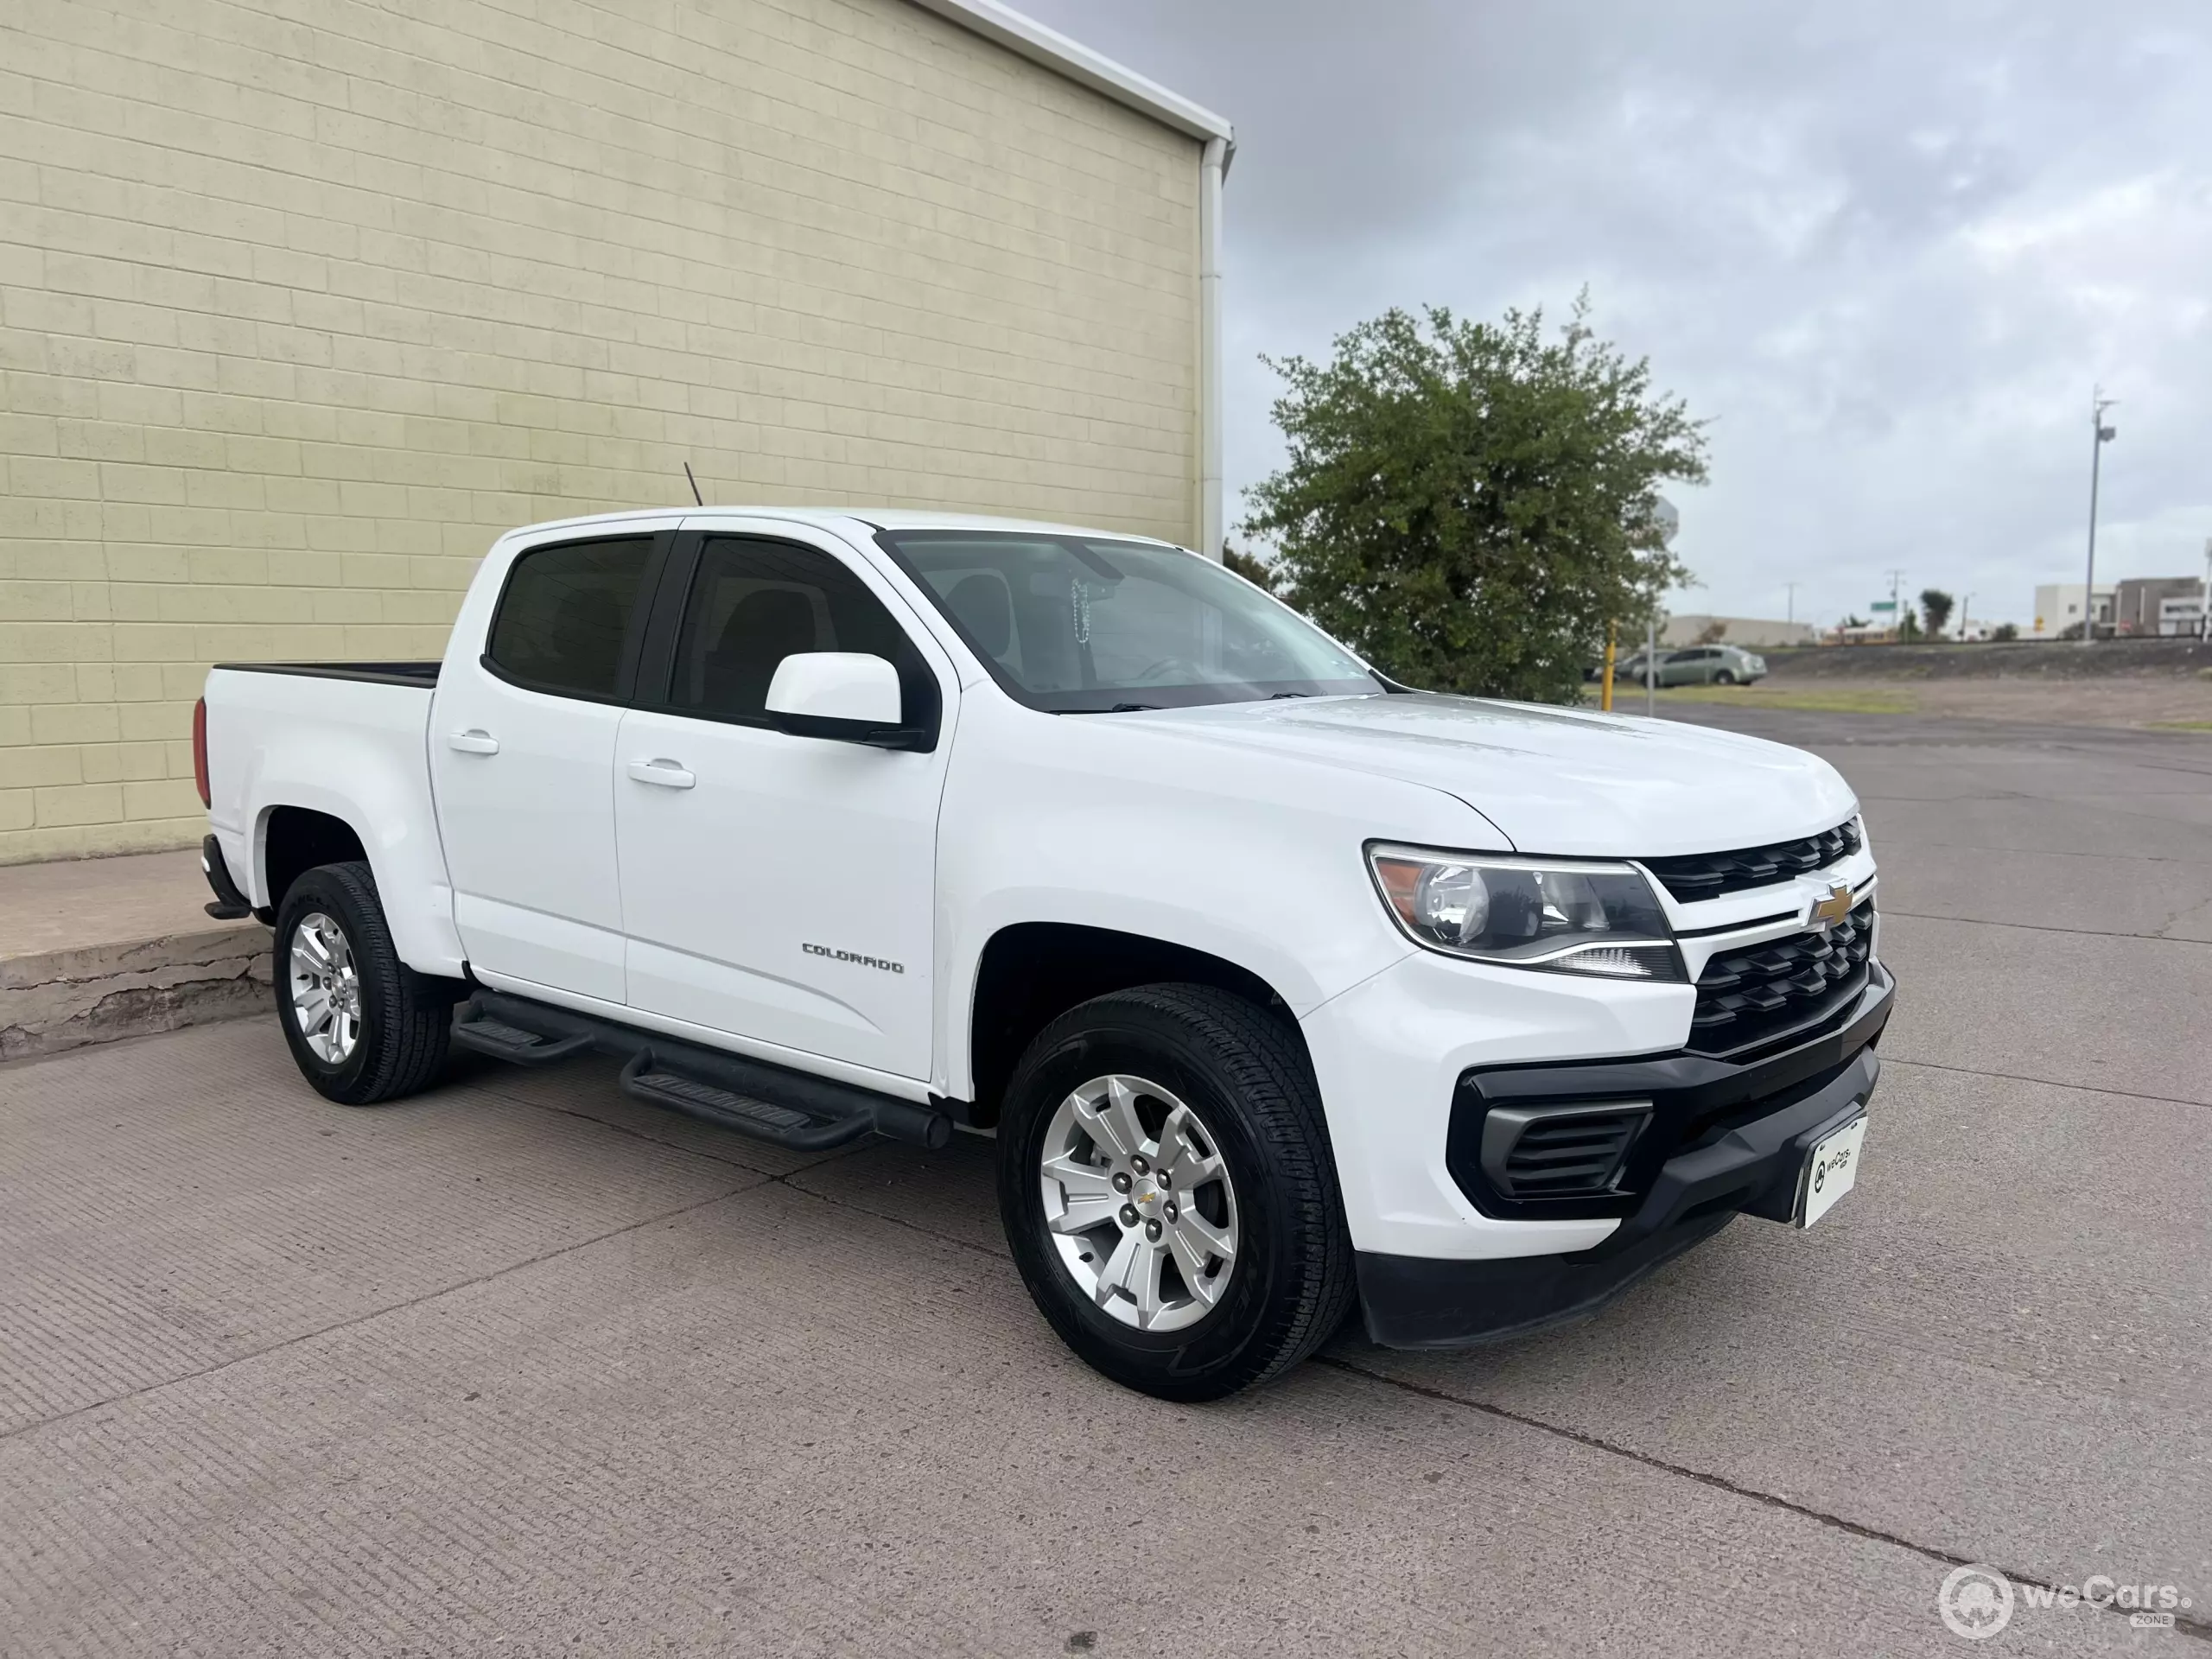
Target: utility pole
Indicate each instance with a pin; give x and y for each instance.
(1966, 609)
(2100, 435)
(2204, 605)
(1896, 616)
(1789, 614)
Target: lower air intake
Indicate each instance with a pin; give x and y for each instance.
(1560, 1151)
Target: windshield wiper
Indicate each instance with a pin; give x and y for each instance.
(1277, 697)
(1118, 708)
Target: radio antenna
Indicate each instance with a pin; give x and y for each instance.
(694, 482)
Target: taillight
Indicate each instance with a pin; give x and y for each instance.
(199, 751)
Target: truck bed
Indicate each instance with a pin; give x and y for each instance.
(422, 676)
(349, 741)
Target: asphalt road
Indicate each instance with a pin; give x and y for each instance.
(518, 1367)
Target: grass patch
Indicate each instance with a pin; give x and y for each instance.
(2181, 725)
(1828, 700)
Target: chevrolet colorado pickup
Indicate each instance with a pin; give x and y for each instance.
(1285, 990)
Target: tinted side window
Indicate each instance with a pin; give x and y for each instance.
(753, 604)
(564, 622)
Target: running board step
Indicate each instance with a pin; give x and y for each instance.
(502, 1041)
(798, 1110)
(648, 1078)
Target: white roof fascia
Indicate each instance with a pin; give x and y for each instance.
(1031, 39)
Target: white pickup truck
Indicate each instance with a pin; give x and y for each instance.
(1285, 989)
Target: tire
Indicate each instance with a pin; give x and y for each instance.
(1245, 1085)
(403, 1018)
(1724, 677)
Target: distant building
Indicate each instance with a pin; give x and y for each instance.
(2155, 605)
(2058, 608)
(1756, 634)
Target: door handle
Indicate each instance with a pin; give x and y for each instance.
(666, 774)
(474, 740)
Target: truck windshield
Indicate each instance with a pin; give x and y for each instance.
(1079, 625)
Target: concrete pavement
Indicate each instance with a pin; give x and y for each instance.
(96, 949)
(519, 1366)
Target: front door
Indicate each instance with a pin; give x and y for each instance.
(775, 888)
(522, 757)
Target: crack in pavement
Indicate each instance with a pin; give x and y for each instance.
(2184, 1623)
(2045, 927)
(1893, 838)
(2048, 1082)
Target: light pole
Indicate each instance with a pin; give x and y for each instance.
(1790, 612)
(1966, 609)
(1651, 665)
(2100, 435)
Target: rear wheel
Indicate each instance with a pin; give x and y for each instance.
(1169, 1193)
(363, 1027)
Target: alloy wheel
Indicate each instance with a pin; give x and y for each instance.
(326, 990)
(1139, 1203)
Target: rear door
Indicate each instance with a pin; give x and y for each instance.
(781, 888)
(522, 757)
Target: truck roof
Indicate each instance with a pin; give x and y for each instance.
(828, 517)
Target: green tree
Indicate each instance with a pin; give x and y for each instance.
(1469, 503)
(2006, 630)
(1935, 605)
(1258, 572)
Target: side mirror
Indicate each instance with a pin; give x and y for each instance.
(845, 695)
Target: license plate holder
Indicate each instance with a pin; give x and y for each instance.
(1831, 1169)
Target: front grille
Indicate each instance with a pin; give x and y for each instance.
(1753, 996)
(1568, 1154)
(1708, 875)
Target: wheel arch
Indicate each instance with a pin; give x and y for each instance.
(292, 840)
(1029, 973)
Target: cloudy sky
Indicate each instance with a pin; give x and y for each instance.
(1884, 248)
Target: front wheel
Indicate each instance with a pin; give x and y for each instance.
(1169, 1192)
(363, 1027)
(1723, 678)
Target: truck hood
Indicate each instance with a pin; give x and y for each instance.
(1552, 780)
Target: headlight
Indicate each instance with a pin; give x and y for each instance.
(1601, 919)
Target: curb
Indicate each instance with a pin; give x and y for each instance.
(60, 999)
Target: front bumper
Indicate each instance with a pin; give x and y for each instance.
(1724, 1139)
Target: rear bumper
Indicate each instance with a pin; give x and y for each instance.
(229, 905)
(1739, 1136)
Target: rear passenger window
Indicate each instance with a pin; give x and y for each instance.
(564, 622)
(754, 603)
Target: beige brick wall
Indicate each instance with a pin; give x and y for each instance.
(303, 302)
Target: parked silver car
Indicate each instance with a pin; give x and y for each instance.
(1698, 665)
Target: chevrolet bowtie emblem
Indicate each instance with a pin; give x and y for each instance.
(1827, 911)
